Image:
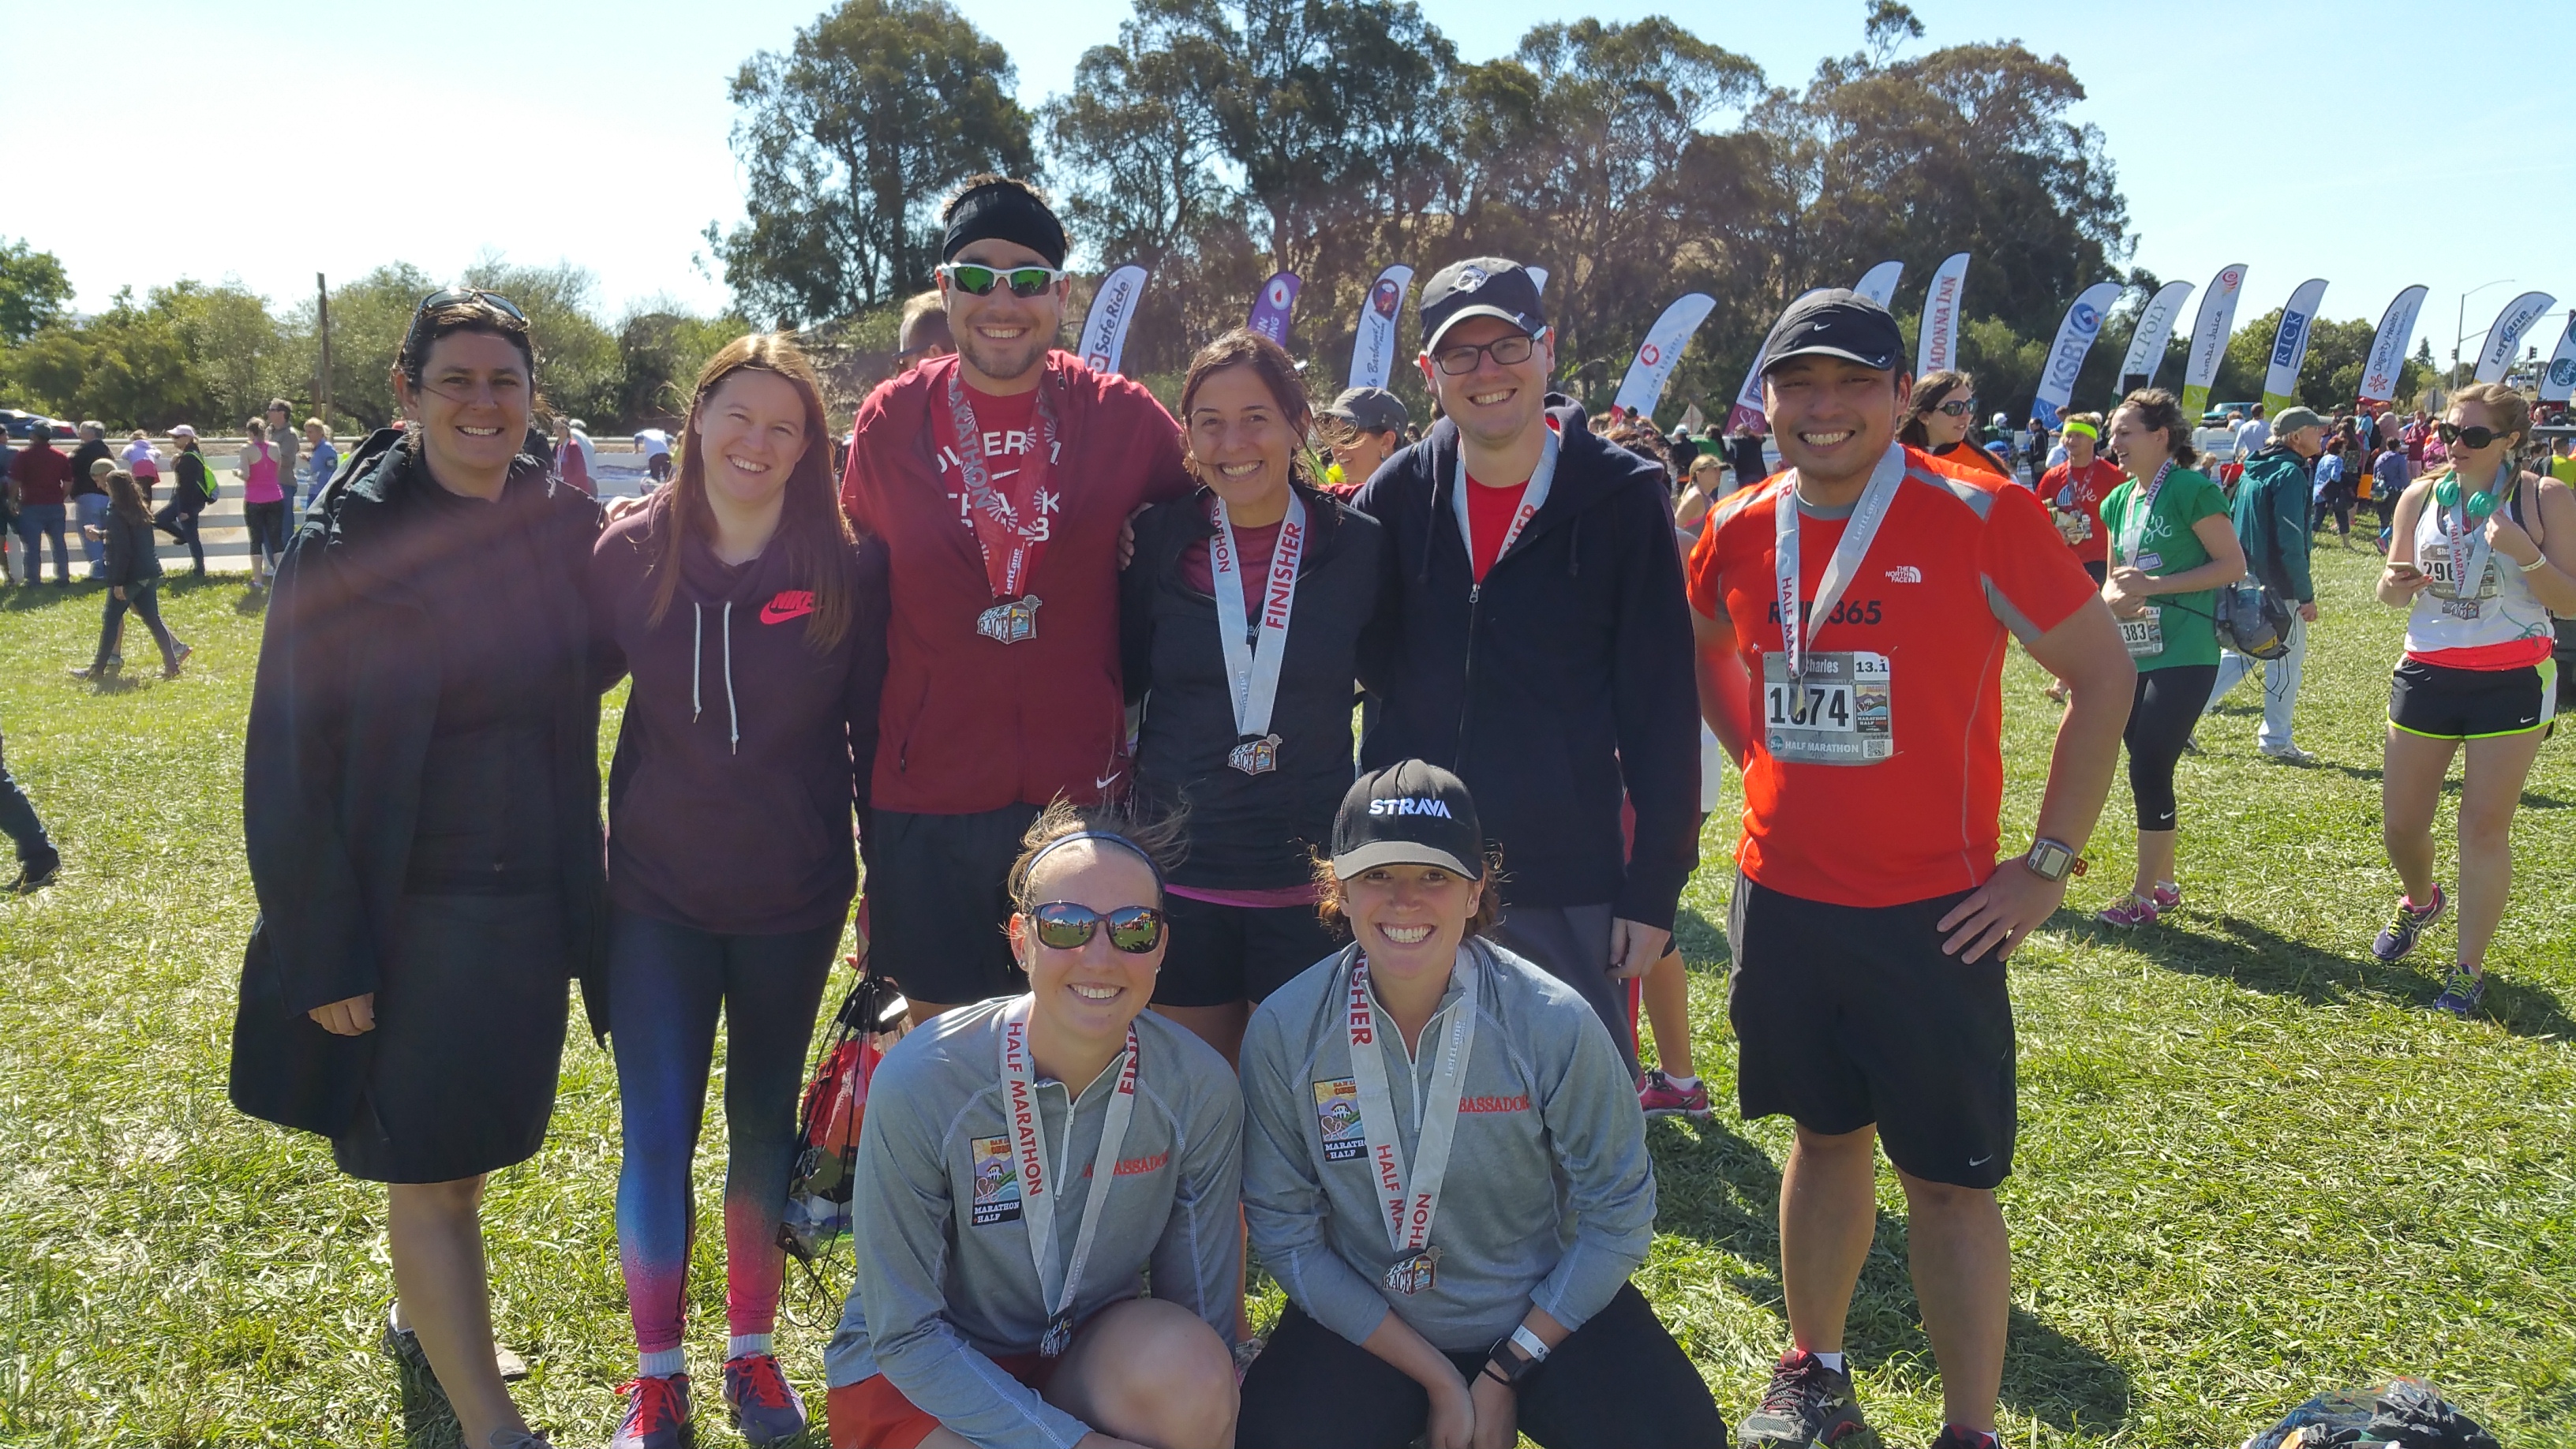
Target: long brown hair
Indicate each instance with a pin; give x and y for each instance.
(125, 498)
(811, 526)
(1269, 362)
(2160, 411)
(1930, 391)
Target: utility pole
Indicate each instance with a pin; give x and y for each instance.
(322, 377)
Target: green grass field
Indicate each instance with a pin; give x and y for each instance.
(2251, 1166)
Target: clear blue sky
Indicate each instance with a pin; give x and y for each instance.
(211, 138)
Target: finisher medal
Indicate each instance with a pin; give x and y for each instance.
(1059, 1336)
(1255, 757)
(1011, 620)
(1414, 1274)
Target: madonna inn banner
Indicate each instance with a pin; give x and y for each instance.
(1936, 345)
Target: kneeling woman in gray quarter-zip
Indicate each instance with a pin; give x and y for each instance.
(1025, 1163)
(1446, 1169)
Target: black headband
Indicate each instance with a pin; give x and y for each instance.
(1004, 211)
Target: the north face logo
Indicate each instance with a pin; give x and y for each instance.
(1905, 574)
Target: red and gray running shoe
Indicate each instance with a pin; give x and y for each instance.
(766, 1407)
(1808, 1406)
(657, 1413)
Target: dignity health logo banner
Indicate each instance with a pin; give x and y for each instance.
(1656, 357)
(2388, 346)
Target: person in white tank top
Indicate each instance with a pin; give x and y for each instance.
(2480, 555)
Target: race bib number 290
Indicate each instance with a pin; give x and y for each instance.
(1838, 712)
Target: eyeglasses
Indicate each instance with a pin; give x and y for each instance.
(1956, 407)
(977, 281)
(2470, 438)
(1066, 926)
(1509, 351)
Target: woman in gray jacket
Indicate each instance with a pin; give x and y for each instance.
(1456, 1249)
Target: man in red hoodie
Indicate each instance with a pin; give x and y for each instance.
(998, 480)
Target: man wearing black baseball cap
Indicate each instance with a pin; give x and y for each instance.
(999, 479)
(1852, 615)
(1532, 636)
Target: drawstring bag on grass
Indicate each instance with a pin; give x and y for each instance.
(2407, 1414)
(835, 1104)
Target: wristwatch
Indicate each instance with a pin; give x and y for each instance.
(1515, 1357)
(2053, 860)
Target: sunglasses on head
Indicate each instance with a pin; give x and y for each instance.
(447, 296)
(1957, 407)
(1066, 926)
(978, 281)
(2470, 438)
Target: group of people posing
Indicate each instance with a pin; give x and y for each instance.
(1201, 983)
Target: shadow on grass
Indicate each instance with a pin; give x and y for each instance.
(1719, 1188)
(1702, 943)
(27, 598)
(2531, 799)
(2260, 959)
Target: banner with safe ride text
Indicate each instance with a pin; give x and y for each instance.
(2558, 379)
(1747, 412)
(1936, 346)
(1104, 327)
(2388, 346)
(2506, 335)
(2155, 329)
(2290, 346)
(1656, 357)
(2209, 333)
(1879, 283)
(1373, 351)
(2075, 334)
(1272, 306)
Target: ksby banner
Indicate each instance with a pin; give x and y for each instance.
(2075, 334)
(1373, 351)
(2558, 380)
(1936, 347)
(2290, 346)
(2505, 337)
(2388, 346)
(1747, 412)
(1270, 309)
(2146, 351)
(1879, 283)
(1653, 365)
(2209, 340)
(1104, 328)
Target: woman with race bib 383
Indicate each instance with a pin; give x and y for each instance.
(2172, 545)
(2480, 554)
(1445, 1167)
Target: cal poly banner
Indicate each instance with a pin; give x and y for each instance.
(1747, 412)
(2506, 335)
(2075, 334)
(2388, 346)
(1373, 351)
(1270, 309)
(2290, 346)
(1653, 365)
(2155, 328)
(1879, 283)
(1104, 327)
(2209, 333)
(2558, 380)
(1936, 346)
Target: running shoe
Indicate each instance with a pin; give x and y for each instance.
(2406, 924)
(171, 669)
(34, 875)
(1808, 1405)
(2290, 755)
(2167, 895)
(1657, 1094)
(2463, 990)
(2130, 911)
(1954, 1437)
(657, 1413)
(766, 1408)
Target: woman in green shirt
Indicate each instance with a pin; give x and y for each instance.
(2172, 546)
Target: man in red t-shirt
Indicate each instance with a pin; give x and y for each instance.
(1871, 916)
(998, 479)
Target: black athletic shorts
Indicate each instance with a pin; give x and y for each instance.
(2439, 702)
(939, 905)
(1618, 1382)
(1851, 1015)
(2100, 569)
(1216, 954)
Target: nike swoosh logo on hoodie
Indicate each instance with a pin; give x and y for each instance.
(789, 604)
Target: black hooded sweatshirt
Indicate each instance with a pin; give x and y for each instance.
(744, 751)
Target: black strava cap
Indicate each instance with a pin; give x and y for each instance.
(1836, 322)
(1409, 813)
(1480, 287)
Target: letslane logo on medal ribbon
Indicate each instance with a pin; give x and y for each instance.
(997, 1187)
(1337, 1115)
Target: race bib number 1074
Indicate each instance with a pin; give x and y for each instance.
(1838, 712)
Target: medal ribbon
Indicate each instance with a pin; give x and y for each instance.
(1028, 1155)
(2133, 531)
(2468, 542)
(1532, 498)
(1012, 534)
(1410, 1199)
(1253, 665)
(1875, 499)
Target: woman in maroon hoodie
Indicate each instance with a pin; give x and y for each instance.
(753, 622)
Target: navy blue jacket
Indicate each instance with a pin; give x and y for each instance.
(1563, 684)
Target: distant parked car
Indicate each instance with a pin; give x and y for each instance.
(23, 425)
